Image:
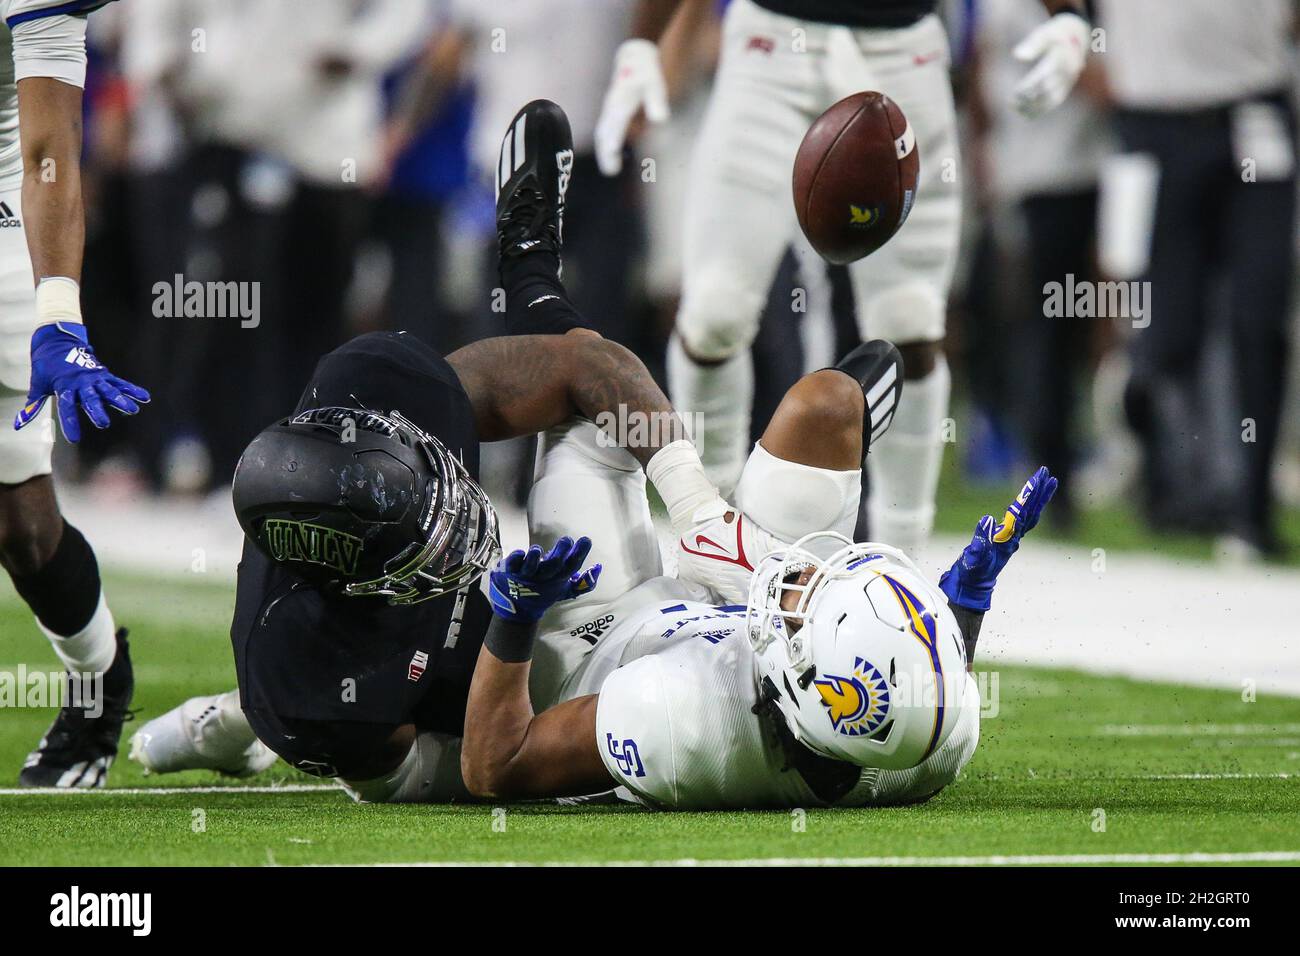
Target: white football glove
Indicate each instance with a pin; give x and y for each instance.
(721, 554)
(638, 82)
(1057, 49)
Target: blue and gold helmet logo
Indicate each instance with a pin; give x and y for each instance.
(858, 704)
(863, 216)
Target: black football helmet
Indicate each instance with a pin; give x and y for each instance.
(365, 502)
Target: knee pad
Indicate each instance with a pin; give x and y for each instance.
(719, 316)
(791, 500)
(430, 773)
(911, 312)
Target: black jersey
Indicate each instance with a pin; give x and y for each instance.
(854, 13)
(305, 655)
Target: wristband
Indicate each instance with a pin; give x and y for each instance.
(58, 300)
(511, 642)
(678, 476)
(968, 622)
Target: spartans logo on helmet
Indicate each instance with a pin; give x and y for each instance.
(860, 654)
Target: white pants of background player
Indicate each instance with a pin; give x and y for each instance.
(776, 75)
(23, 454)
(585, 487)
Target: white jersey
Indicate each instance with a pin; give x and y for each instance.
(49, 41)
(675, 721)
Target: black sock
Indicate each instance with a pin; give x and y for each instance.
(65, 592)
(536, 300)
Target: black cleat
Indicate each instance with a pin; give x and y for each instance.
(532, 177)
(80, 745)
(878, 367)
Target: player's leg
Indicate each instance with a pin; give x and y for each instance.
(429, 773)
(805, 472)
(1261, 258)
(50, 563)
(901, 290)
(204, 733)
(586, 484)
(738, 221)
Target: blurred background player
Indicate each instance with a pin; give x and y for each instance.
(1034, 186)
(783, 62)
(44, 356)
(1205, 118)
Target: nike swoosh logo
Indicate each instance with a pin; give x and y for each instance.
(721, 553)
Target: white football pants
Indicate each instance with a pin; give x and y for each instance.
(776, 75)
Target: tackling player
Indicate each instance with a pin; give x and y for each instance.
(44, 354)
(357, 614)
(783, 63)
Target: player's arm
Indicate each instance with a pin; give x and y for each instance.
(424, 91)
(523, 384)
(1056, 51)
(508, 752)
(650, 19)
(969, 583)
(49, 121)
(637, 83)
(50, 68)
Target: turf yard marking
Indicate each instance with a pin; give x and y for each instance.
(1100, 778)
(1197, 730)
(1064, 859)
(321, 788)
(164, 791)
(1281, 775)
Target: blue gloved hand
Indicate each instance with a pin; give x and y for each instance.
(523, 586)
(64, 365)
(969, 582)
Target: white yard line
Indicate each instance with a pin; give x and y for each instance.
(324, 788)
(163, 791)
(1197, 730)
(1063, 859)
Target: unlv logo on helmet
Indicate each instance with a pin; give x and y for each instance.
(289, 540)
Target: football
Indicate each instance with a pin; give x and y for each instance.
(855, 177)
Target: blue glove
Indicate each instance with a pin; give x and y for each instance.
(522, 587)
(64, 365)
(969, 582)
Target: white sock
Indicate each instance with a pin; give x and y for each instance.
(235, 731)
(905, 463)
(715, 402)
(92, 649)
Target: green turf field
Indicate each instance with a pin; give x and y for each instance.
(1175, 771)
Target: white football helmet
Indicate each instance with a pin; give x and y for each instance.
(869, 666)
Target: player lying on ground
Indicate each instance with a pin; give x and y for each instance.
(357, 614)
(842, 680)
(340, 682)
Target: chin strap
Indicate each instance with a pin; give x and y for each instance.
(829, 780)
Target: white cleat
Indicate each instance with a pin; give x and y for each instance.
(198, 735)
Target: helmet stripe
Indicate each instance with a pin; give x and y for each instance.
(924, 627)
